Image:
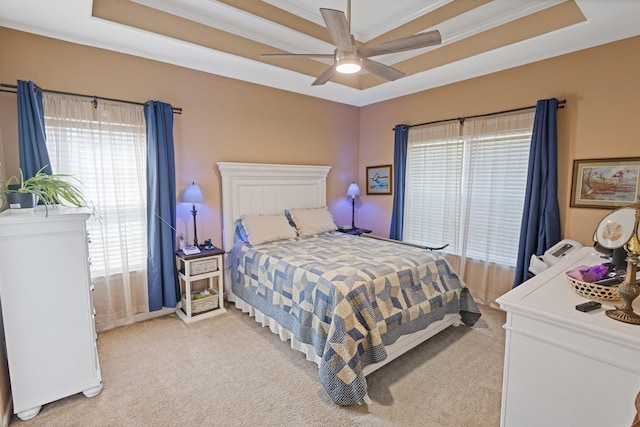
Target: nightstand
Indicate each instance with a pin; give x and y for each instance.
(355, 231)
(202, 303)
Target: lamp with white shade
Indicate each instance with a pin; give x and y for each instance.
(193, 195)
(353, 191)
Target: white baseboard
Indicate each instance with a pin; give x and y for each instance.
(136, 318)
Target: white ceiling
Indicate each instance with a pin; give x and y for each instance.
(72, 20)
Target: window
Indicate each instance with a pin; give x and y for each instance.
(104, 148)
(466, 185)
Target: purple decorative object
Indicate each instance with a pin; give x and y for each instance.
(589, 274)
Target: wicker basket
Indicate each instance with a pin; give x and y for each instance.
(594, 291)
(202, 304)
(204, 266)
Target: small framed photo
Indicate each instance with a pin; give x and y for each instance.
(605, 183)
(379, 179)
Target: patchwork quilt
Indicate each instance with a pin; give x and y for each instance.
(348, 296)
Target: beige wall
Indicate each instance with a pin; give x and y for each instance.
(602, 89)
(222, 120)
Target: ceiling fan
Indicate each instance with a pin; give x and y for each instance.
(348, 58)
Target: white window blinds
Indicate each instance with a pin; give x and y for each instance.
(465, 185)
(105, 149)
(433, 183)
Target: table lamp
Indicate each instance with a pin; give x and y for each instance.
(353, 191)
(193, 195)
(619, 229)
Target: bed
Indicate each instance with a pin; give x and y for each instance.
(351, 304)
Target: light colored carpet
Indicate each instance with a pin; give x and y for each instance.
(229, 371)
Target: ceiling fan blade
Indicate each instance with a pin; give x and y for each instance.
(381, 70)
(417, 41)
(338, 28)
(297, 55)
(325, 76)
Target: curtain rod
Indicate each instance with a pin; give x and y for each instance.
(462, 119)
(176, 110)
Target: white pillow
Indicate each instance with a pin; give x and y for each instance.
(313, 221)
(267, 228)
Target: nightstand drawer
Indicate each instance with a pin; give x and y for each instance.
(203, 266)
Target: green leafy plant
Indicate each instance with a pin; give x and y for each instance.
(54, 189)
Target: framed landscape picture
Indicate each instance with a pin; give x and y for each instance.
(605, 183)
(379, 179)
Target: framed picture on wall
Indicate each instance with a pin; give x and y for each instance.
(379, 179)
(605, 183)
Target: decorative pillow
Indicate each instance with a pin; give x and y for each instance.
(313, 221)
(267, 228)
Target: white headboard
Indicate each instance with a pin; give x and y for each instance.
(254, 188)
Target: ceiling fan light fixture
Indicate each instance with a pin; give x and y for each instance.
(348, 65)
(350, 59)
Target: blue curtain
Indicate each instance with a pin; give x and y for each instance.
(399, 172)
(31, 135)
(540, 227)
(162, 280)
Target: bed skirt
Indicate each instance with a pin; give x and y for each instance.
(399, 347)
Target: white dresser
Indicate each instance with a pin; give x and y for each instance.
(564, 367)
(47, 310)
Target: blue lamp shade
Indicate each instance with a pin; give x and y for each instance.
(192, 194)
(353, 190)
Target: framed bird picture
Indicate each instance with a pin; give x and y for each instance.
(379, 179)
(605, 183)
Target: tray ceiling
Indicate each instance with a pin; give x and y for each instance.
(226, 37)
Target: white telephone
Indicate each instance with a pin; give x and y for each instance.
(190, 250)
(555, 253)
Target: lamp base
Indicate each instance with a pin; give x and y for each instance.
(353, 213)
(194, 212)
(626, 316)
(629, 291)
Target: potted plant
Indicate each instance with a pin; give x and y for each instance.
(54, 189)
